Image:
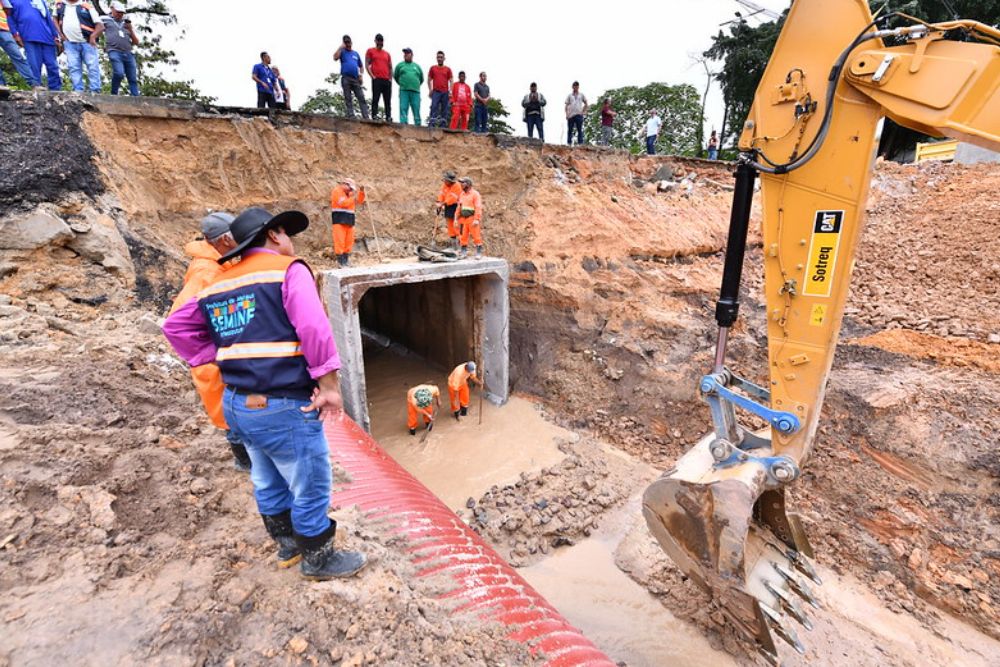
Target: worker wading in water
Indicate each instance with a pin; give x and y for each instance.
(343, 200)
(447, 205)
(203, 270)
(263, 323)
(458, 387)
(421, 402)
(469, 218)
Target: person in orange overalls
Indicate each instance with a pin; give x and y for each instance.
(458, 387)
(461, 103)
(447, 204)
(203, 270)
(421, 401)
(344, 198)
(469, 218)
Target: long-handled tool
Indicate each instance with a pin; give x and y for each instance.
(378, 243)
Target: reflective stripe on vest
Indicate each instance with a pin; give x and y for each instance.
(343, 216)
(3, 20)
(87, 24)
(260, 351)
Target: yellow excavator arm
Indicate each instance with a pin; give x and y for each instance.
(811, 137)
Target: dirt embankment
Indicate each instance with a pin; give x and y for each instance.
(112, 482)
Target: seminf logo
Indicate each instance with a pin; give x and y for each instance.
(230, 316)
(823, 252)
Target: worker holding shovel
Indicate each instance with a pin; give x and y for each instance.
(447, 204)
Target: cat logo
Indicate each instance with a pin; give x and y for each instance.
(823, 253)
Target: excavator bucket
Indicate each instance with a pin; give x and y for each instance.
(730, 534)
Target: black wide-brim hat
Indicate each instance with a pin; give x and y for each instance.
(251, 223)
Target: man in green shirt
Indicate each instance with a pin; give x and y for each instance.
(409, 77)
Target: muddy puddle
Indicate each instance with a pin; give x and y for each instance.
(463, 459)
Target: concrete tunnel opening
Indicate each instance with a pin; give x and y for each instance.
(413, 322)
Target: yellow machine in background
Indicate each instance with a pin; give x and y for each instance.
(811, 136)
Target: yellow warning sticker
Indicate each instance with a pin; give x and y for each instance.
(823, 253)
(818, 315)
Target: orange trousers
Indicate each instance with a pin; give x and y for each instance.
(459, 397)
(412, 412)
(470, 229)
(453, 229)
(343, 239)
(460, 116)
(208, 383)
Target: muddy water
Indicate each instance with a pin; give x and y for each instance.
(460, 459)
(611, 609)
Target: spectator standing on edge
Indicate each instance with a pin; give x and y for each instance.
(378, 62)
(713, 146)
(34, 23)
(576, 107)
(652, 131)
(351, 77)
(264, 77)
(607, 122)
(281, 100)
(461, 103)
(80, 26)
(280, 368)
(534, 111)
(10, 42)
(439, 78)
(482, 94)
(410, 77)
(119, 38)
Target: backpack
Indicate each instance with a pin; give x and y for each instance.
(423, 397)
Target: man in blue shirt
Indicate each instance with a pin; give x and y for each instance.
(351, 68)
(33, 21)
(264, 77)
(10, 42)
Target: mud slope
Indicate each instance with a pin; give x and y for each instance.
(114, 487)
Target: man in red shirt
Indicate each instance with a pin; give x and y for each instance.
(461, 103)
(439, 79)
(378, 62)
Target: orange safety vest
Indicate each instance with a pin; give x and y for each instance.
(450, 192)
(470, 201)
(342, 205)
(3, 20)
(460, 376)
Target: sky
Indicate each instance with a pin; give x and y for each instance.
(516, 42)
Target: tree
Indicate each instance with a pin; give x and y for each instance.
(744, 53)
(497, 124)
(679, 108)
(325, 100)
(154, 62)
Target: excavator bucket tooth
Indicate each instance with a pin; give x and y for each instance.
(802, 564)
(712, 522)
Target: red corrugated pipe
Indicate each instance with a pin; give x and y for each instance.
(441, 544)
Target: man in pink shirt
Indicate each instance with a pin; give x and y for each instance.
(263, 324)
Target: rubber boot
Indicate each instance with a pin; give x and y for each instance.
(465, 410)
(279, 527)
(463, 252)
(457, 413)
(454, 244)
(347, 259)
(479, 252)
(241, 460)
(321, 561)
(413, 431)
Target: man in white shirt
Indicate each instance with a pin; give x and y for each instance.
(653, 126)
(80, 26)
(576, 107)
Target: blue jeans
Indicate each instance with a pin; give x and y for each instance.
(78, 56)
(575, 122)
(482, 116)
(20, 63)
(651, 145)
(535, 121)
(713, 153)
(41, 54)
(123, 67)
(439, 110)
(290, 456)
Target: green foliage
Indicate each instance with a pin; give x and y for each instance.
(679, 108)
(325, 100)
(745, 50)
(497, 124)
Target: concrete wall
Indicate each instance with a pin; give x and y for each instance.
(469, 298)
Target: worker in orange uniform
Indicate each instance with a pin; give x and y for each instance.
(447, 204)
(344, 198)
(421, 401)
(203, 270)
(461, 103)
(469, 218)
(458, 387)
